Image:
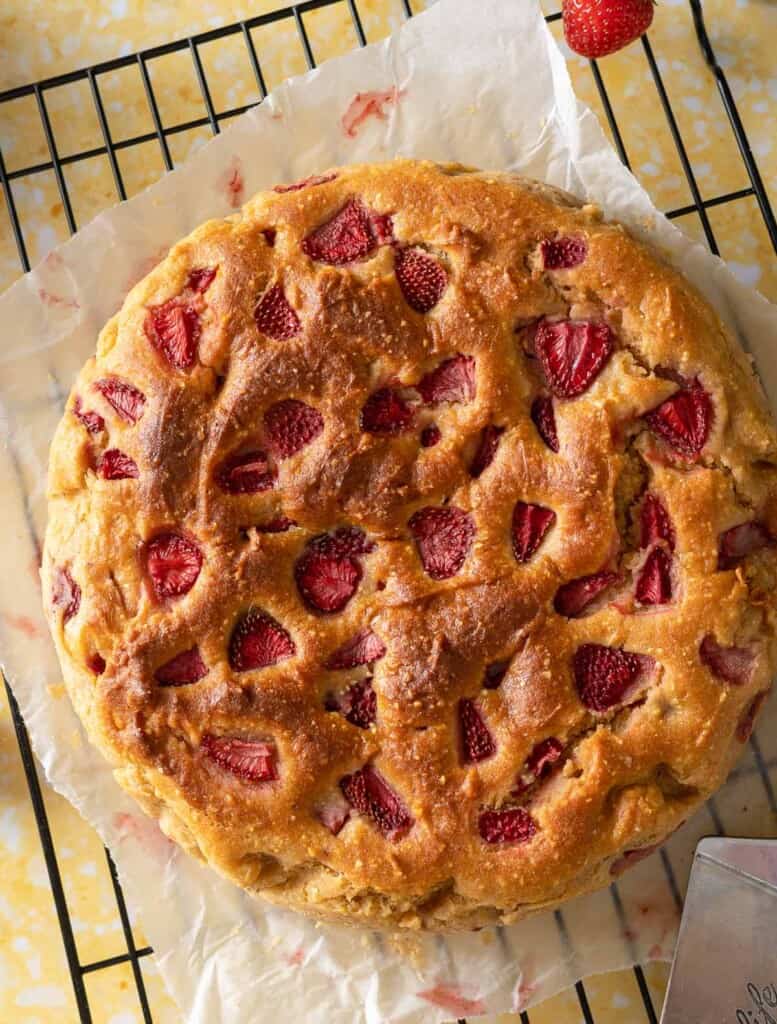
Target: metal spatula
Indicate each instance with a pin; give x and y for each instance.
(725, 965)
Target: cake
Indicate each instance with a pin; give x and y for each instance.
(410, 551)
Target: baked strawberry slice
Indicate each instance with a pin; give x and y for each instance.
(422, 278)
(747, 721)
(544, 419)
(290, 426)
(452, 381)
(430, 436)
(494, 674)
(572, 353)
(654, 523)
(275, 317)
(352, 234)
(530, 524)
(363, 649)
(386, 412)
(368, 793)
(683, 421)
(563, 253)
(358, 704)
(115, 465)
(574, 597)
(510, 825)
(173, 329)
(741, 541)
(329, 570)
(126, 401)
(477, 743)
(250, 760)
(732, 664)
(93, 421)
(259, 641)
(443, 537)
(200, 279)
(486, 450)
(543, 756)
(606, 676)
(173, 563)
(246, 473)
(66, 594)
(96, 663)
(281, 524)
(182, 670)
(654, 584)
(334, 813)
(631, 857)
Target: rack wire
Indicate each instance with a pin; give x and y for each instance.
(295, 15)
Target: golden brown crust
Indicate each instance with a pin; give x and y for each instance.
(627, 775)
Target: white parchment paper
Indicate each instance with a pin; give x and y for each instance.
(482, 82)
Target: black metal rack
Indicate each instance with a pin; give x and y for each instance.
(295, 15)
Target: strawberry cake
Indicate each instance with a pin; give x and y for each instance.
(411, 546)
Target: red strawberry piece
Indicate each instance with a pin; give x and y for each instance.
(174, 330)
(185, 668)
(66, 594)
(544, 755)
(275, 317)
(93, 421)
(383, 226)
(484, 456)
(572, 353)
(346, 540)
(494, 674)
(363, 649)
(358, 704)
(96, 663)
(510, 825)
(574, 597)
(173, 564)
(352, 234)
(313, 179)
(430, 436)
(251, 760)
(732, 664)
(125, 400)
(452, 381)
(334, 813)
(530, 524)
(115, 465)
(477, 743)
(654, 585)
(328, 572)
(605, 676)
(443, 537)
(200, 279)
(632, 857)
(246, 473)
(747, 721)
(278, 525)
(563, 253)
(683, 421)
(422, 278)
(270, 234)
(544, 420)
(369, 793)
(654, 523)
(741, 541)
(594, 28)
(258, 641)
(290, 426)
(386, 412)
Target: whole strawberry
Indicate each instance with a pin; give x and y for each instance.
(594, 28)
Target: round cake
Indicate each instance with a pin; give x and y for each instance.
(410, 552)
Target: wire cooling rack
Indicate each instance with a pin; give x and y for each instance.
(295, 17)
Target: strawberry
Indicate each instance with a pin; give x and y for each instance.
(258, 641)
(290, 426)
(452, 381)
(275, 317)
(386, 412)
(747, 721)
(173, 564)
(494, 674)
(574, 597)
(422, 278)
(443, 537)
(732, 664)
(352, 234)
(369, 794)
(477, 743)
(93, 421)
(572, 353)
(123, 398)
(630, 858)
(278, 525)
(66, 594)
(486, 450)
(654, 523)
(96, 663)
(185, 668)
(510, 825)
(594, 28)
(683, 421)
(309, 182)
(269, 235)
(741, 541)
(604, 676)
(173, 329)
(430, 436)
(543, 756)
(200, 279)
(544, 420)
(358, 704)
(328, 572)
(251, 760)
(363, 649)
(563, 253)
(115, 465)
(334, 813)
(245, 473)
(530, 524)
(654, 585)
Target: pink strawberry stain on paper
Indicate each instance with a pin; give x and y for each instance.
(368, 104)
(23, 623)
(231, 183)
(52, 299)
(296, 958)
(451, 997)
(145, 832)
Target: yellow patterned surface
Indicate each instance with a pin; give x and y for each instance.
(38, 39)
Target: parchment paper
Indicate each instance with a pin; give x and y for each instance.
(480, 81)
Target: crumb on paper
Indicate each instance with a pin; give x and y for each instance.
(56, 690)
